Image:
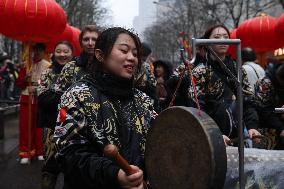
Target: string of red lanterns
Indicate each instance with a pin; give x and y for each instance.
(32, 20)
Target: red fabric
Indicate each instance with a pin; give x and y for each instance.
(62, 113)
(21, 80)
(33, 134)
(232, 48)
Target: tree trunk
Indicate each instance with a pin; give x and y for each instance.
(282, 3)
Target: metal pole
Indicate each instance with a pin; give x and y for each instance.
(2, 123)
(236, 42)
(240, 119)
(193, 47)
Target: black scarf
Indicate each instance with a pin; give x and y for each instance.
(82, 60)
(56, 67)
(114, 86)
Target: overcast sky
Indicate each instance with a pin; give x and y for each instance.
(123, 12)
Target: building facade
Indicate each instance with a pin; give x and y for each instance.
(146, 16)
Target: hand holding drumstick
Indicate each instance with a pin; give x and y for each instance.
(129, 176)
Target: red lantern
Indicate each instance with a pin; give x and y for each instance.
(66, 35)
(32, 20)
(75, 41)
(258, 33)
(233, 34)
(279, 27)
(279, 30)
(232, 48)
(6, 14)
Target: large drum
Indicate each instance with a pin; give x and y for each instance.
(185, 150)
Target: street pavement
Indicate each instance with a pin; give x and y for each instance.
(13, 175)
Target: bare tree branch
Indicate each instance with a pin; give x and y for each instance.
(193, 17)
(83, 12)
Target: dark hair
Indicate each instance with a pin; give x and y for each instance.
(248, 54)
(39, 46)
(88, 28)
(107, 39)
(210, 30)
(167, 67)
(145, 51)
(67, 43)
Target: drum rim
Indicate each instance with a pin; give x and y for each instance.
(216, 175)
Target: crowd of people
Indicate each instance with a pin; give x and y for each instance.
(9, 72)
(112, 92)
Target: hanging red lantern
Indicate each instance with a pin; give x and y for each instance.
(75, 41)
(279, 27)
(32, 20)
(66, 35)
(258, 33)
(279, 30)
(232, 48)
(233, 34)
(6, 14)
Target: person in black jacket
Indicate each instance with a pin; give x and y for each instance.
(77, 69)
(8, 76)
(145, 79)
(215, 89)
(270, 95)
(105, 108)
(48, 101)
(4, 77)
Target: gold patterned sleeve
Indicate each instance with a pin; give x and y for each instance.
(199, 76)
(45, 81)
(265, 92)
(247, 89)
(148, 105)
(65, 80)
(71, 118)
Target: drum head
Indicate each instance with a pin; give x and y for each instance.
(185, 151)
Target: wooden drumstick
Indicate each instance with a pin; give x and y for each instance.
(111, 152)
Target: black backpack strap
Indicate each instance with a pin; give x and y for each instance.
(253, 70)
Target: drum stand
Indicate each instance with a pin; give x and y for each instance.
(238, 80)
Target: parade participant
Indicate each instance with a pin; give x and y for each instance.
(48, 101)
(270, 95)
(162, 72)
(8, 76)
(30, 144)
(76, 69)
(102, 109)
(13, 75)
(253, 71)
(215, 89)
(145, 79)
(178, 83)
(4, 77)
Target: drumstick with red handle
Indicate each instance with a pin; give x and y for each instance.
(111, 152)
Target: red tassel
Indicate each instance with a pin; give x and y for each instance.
(62, 114)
